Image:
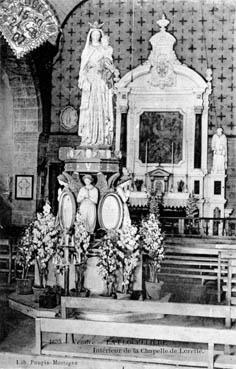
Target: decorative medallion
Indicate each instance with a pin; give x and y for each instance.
(69, 117)
(26, 24)
(162, 57)
(66, 209)
(110, 211)
(162, 73)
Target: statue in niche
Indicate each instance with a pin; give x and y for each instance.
(87, 199)
(180, 186)
(96, 81)
(219, 148)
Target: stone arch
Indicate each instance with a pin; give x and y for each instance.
(6, 144)
(65, 8)
(26, 125)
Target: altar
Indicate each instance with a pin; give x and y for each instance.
(165, 106)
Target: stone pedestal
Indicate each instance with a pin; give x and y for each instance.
(89, 160)
(92, 279)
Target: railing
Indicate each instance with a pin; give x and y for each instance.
(199, 226)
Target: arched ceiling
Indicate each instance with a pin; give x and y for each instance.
(64, 7)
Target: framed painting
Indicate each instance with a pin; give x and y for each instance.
(161, 137)
(67, 210)
(110, 211)
(24, 187)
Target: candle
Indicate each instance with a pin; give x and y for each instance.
(146, 161)
(172, 162)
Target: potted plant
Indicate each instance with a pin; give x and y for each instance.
(108, 262)
(129, 256)
(152, 240)
(25, 259)
(45, 237)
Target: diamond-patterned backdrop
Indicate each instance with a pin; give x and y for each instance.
(205, 33)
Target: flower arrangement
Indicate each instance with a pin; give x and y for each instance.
(25, 251)
(152, 240)
(81, 239)
(108, 260)
(45, 237)
(78, 251)
(129, 253)
(119, 251)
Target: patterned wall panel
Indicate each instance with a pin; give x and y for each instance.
(205, 32)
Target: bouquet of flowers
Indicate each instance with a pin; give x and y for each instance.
(108, 262)
(81, 240)
(152, 240)
(25, 251)
(119, 252)
(45, 237)
(129, 253)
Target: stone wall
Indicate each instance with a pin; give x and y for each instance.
(19, 143)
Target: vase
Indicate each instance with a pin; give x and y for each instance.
(123, 296)
(153, 289)
(74, 292)
(38, 291)
(48, 300)
(24, 286)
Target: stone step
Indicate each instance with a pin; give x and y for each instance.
(200, 241)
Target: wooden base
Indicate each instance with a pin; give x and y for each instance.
(25, 304)
(107, 316)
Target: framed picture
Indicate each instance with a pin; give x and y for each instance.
(110, 211)
(66, 209)
(24, 187)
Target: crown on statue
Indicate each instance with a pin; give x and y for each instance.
(96, 25)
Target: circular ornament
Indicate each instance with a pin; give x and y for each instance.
(110, 211)
(67, 210)
(69, 117)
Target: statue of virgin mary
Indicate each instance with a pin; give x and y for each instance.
(96, 110)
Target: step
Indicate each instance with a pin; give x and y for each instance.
(233, 289)
(205, 241)
(188, 276)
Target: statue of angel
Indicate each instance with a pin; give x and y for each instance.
(73, 183)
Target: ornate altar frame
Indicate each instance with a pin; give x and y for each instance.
(164, 84)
